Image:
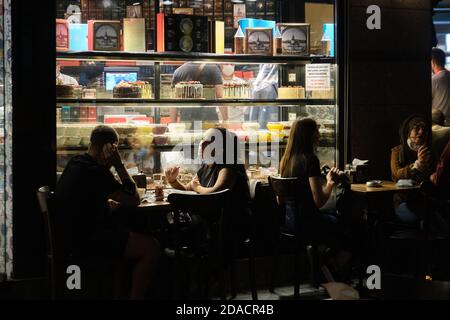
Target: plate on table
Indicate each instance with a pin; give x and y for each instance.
(406, 183)
(374, 183)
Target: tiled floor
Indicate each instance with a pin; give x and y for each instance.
(286, 293)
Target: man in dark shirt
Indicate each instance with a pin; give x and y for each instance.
(86, 194)
(207, 75)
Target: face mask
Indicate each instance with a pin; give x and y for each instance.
(414, 147)
(205, 159)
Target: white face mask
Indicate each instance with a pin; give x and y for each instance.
(228, 70)
(413, 146)
(207, 159)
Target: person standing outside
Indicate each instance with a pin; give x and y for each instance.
(235, 114)
(440, 83)
(207, 75)
(64, 79)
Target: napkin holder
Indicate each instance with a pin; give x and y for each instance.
(140, 180)
(362, 173)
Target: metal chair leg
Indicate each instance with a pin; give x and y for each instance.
(275, 257)
(251, 271)
(233, 279)
(297, 269)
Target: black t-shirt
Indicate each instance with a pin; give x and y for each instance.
(236, 216)
(208, 175)
(82, 193)
(206, 74)
(307, 167)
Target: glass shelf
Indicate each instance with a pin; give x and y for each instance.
(201, 57)
(198, 102)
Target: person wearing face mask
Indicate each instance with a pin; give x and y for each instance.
(90, 204)
(220, 170)
(412, 159)
(264, 87)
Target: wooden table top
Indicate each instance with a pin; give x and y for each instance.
(149, 204)
(386, 186)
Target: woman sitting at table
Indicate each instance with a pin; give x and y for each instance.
(220, 170)
(412, 159)
(300, 161)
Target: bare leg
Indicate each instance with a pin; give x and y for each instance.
(145, 250)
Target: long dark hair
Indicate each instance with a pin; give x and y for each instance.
(301, 142)
(231, 159)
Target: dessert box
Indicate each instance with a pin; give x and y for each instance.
(182, 33)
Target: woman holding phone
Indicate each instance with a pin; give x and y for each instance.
(412, 159)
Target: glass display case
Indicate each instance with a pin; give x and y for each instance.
(160, 104)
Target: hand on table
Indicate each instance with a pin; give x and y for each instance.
(194, 184)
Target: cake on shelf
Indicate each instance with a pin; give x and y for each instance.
(188, 90)
(236, 90)
(291, 93)
(323, 94)
(64, 91)
(127, 90)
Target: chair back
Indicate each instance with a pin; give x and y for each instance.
(45, 199)
(285, 188)
(208, 206)
(45, 196)
(293, 191)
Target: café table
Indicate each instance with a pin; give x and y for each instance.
(154, 212)
(372, 206)
(386, 187)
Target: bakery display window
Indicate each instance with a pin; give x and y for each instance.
(161, 76)
(161, 104)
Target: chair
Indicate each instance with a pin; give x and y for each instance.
(55, 260)
(44, 196)
(415, 236)
(210, 208)
(290, 189)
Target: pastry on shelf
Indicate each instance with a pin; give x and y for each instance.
(236, 90)
(294, 92)
(275, 126)
(159, 129)
(176, 138)
(126, 133)
(177, 127)
(127, 90)
(250, 126)
(160, 140)
(323, 94)
(89, 93)
(188, 90)
(64, 91)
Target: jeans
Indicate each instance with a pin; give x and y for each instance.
(405, 214)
